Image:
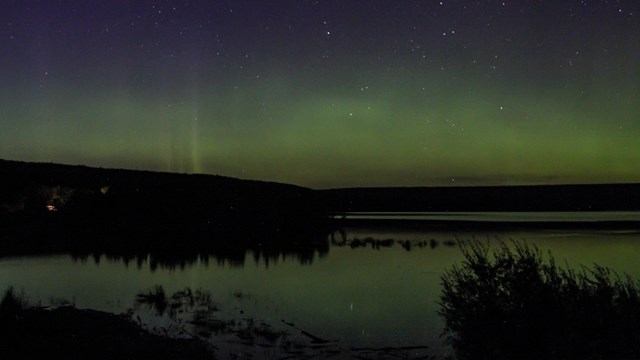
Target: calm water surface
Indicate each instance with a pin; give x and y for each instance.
(373, 288)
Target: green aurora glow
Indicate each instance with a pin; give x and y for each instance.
(372, 117)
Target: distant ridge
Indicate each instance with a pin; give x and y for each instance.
(587, 197)
(224, 193)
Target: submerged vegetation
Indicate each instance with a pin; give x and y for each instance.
(237, 334)
(194, 310)
(186, 300)
(510, 302)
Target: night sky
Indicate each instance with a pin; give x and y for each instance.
(327, 93)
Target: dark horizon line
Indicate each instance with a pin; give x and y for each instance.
(408, 187)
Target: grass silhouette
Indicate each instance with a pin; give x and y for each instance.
(510, 302)
(11, 304)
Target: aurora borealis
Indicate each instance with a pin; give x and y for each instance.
(327, 93)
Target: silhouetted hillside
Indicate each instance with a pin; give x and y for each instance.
(32, 187)
(62, 207)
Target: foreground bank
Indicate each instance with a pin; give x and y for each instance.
(70, 333)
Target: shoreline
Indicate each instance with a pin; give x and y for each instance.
(71, 333)
(488, 224)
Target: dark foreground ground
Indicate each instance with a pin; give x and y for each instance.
(70, 333)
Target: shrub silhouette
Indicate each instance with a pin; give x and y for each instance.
(511, 303)
(11, 304)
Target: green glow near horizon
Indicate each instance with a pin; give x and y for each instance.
(458, 115)
(386, 138)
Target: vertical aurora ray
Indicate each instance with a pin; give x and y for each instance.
(196, 164)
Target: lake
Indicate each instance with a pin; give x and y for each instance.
(372, 287)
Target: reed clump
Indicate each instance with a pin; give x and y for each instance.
(12, 304)
(510, 302)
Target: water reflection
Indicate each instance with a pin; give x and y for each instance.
(341, 239)
(265, 254)
(368, 288)
(233, 255)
